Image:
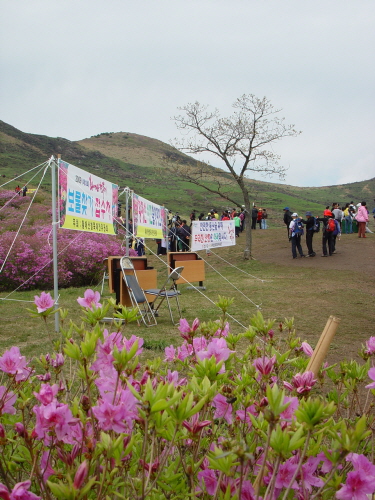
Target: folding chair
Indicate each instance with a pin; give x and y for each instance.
(136, 294)
(105, 275)
(167, 293)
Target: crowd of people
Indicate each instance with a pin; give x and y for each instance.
(334, 222)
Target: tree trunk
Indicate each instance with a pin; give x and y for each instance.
(247, 250)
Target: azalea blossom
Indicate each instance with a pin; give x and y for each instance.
(288, 413)
(285, 474)
(370, 346)
(222, 332)
(223, 408)
(208, 478)
(185, 328)
(217, 348)
(360, 462)
(301, 382)
(194, 426)
(264, 365)
(371, 374)
(44, 302)
(47, 393)
(19, 492)
(13, 363)
(307, 474)
(81, 475)
(357, 487)
(7, 400)
(55, 417)
(307, 349)
(170, 353)
(90, 299)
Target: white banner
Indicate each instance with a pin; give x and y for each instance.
(148, 218)
(87, 202)
(212, 234)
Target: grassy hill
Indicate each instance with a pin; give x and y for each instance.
(137, 161)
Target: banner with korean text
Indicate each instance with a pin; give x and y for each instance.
(212, 234)
(86, 202)
(148, 218)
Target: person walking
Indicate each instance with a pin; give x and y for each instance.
(287, 218)
(264, 219)
(327, 235)
(254, 216)
(310, 230)
(295, 233)
(361, 218)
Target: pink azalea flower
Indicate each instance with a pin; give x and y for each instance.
(55, 417)
(19, 492)
(129, 343)
(371, 374)
(243, 415)
(45, 466)
(80, 475)
(301, 382)
(110, 417)
(170, 353)
(307, 474)
(248, 492)
(370, 344)
(288, 413)
(222, 332)
(184, 351)
(208, 478)
(217, 348)
(44, 302)
(199, 343)
(185, 328)
(13, 363)
(358, 485)
(90, 299)
(360, 462)
(223, 408)
(173, 377)
(7, 400)
(285, 474)
(264, 365)
(58, 360)
(307, 349)
(47, 393)
(194, 426)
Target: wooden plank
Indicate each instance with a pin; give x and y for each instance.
(194, 270)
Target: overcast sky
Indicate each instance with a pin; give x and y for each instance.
(77, 68)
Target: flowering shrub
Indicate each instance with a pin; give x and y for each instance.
(213, 421)
(80, 260)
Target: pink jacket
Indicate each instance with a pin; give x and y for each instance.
(362, 215)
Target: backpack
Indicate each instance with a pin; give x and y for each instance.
(337, 228)
(316, 226)
(331, 226)
(298, 227)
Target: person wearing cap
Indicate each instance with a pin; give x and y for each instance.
(295, 237)
(327, 236)
(287, 218)
(310, 223)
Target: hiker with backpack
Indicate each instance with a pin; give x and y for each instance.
(329, 227)
(312, 227)
(295, 233)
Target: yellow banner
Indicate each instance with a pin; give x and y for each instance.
(149, 232)
(80, 224)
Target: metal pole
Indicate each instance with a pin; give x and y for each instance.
(127, 236)
(54, 241)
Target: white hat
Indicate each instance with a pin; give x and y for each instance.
(295, 214)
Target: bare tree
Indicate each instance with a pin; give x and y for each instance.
(243, 141)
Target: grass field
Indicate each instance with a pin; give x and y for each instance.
(310, 290)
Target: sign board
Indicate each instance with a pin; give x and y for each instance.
(148, 218)
(212, 234)
(86, 202)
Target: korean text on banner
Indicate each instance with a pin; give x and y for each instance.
(212, 233)
(148, 218)
(86, 202)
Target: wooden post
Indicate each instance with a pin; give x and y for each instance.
(321, 349)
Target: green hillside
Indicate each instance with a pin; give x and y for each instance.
(138, 162)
